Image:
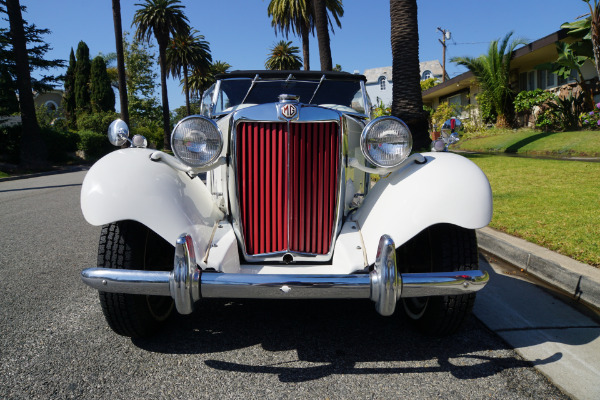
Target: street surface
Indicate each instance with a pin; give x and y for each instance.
(54, 342)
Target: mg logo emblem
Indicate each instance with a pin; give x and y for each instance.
(289, 110)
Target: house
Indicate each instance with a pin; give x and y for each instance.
(379, 80)
(463, 89)
(51, 99)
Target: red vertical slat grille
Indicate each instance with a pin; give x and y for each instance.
(287, 186)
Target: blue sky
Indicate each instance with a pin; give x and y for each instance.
(240, 32)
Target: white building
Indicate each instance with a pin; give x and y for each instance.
(379, 80)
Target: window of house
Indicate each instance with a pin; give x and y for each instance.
(51, 106)
(382, 82)
(531, 80)
(456, 99)
(551, 79)
(541, 79)
(523, 81)
(426, 75)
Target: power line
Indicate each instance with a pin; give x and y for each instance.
(454, 43)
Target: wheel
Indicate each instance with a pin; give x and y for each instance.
(131, 245)
(439, 248)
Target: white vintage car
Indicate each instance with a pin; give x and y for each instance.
(269, 195)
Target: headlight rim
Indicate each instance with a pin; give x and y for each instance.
(363, 141)
(215, 158)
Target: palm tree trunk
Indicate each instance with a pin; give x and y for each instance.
(162, 47)
(305, 46)
(321, 24)
(116, 6)
(407, 103)
(186, 90)
(33, 148)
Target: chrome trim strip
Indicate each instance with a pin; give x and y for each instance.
(254, 286)
(152, 283)
(214, 284)
(443, 283)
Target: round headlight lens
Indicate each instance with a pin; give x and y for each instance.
(386, 141)
(197, 141)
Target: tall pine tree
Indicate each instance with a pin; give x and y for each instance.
(69, 95)
(82, 78)
(101, 94)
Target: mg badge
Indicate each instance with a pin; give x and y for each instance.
(289, 110)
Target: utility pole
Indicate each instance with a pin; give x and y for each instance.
(445, 35)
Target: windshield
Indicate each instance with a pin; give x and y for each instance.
(233, 92)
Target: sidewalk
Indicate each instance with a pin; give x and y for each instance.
(579, 281)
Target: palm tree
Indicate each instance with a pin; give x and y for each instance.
(407, 103)
(320, 10)
(116, 7)
(297, 17)
(33, 148)
(595, 31)
(201, 80)
(162, 19)
(187, 51)
(283, 56)
(492, 71)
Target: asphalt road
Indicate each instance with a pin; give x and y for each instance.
(54, 342)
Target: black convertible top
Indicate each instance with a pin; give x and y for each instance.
(297, 74)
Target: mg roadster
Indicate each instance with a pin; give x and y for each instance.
(270, 194)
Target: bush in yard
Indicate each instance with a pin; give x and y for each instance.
(10, 143)
(94, 145)
(59, 143)
(442, 113)
(96, 122)
(154, 135)
(591, 119)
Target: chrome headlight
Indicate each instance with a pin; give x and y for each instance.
(386, 141)
(197, 141)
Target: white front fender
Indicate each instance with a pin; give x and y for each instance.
(127, 185)
(448, 188)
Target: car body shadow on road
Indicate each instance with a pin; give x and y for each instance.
(329, 338)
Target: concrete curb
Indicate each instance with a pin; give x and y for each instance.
(580, 281)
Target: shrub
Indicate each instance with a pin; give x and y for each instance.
(486, 108)
(555, 113)
(381, 110)
(94, 145)
(59, 143)
(154, 135)
(96, 122)
(442, 113)
(591, 120)
(10, 143)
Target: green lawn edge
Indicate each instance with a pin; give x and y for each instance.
(530, 142)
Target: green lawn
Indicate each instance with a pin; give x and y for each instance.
(553, 203)
(3, 174)
(531, 142)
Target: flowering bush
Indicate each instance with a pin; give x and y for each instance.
(591, 120)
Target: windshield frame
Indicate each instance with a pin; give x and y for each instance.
(316, 78)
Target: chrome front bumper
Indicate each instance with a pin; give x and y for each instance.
(186, 284)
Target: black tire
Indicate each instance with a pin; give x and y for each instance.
(131, 245)
(439, 248)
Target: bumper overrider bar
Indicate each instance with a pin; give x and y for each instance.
(186, 284)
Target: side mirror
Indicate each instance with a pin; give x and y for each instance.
(118, 132)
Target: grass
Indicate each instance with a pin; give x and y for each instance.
(553, 203)
(531, 142)
(4, 175)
